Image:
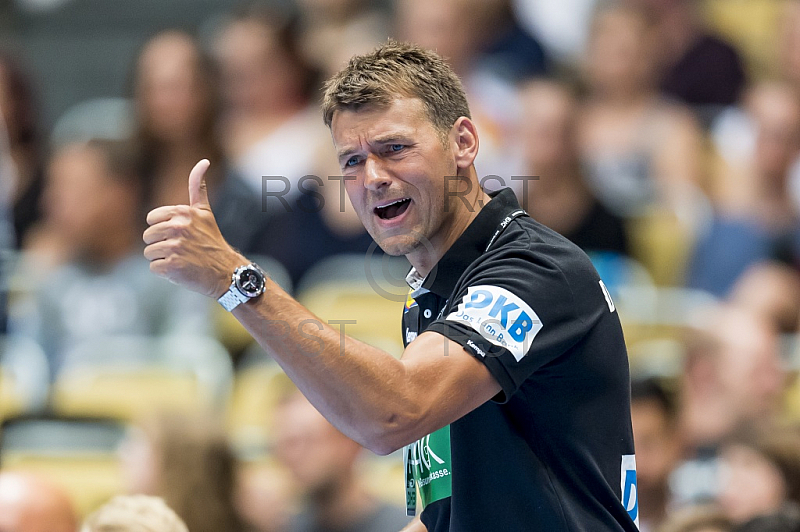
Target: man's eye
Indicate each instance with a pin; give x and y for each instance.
(352, 161)
(396, 147)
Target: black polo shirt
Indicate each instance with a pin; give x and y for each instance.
(554, 450)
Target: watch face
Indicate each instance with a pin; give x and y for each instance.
(250, 281)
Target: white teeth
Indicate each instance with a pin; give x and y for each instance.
(401, 200)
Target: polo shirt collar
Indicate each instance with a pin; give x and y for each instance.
(469, 246)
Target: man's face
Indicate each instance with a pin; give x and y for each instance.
(395, 167)
(318, 456)
(656, 444)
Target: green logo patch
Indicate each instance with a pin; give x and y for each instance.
(428, 469)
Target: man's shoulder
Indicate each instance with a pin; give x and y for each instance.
(527, 245)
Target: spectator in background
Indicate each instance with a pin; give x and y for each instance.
(273, 132)
(32, 504)
(732, 380)
(323, 462)
(19, 112)
(332, 31)
(94, 205)
(186, 460)
(760, 474)
(699, 69)
(562, 25)
(177, 108)
(134, 513)
(639, 149)
(507, 48)
(788, 45)
(755, 214)
(772, 290)
(268, 126)
(787, 520)
(559, 197)
(655, 433)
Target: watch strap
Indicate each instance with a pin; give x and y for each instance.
(232, 298)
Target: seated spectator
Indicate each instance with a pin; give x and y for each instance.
(178, 115)
(186, 460)
(771, 289)
(332, 31)
(640, 150)
(786, 520)
(559, 197)
(760, 474)
(268, 125)
(788, 44)
(732, 380)
(94, 204)
(562, 26)
(23, 190)
(32, 504)
(755, 213)
(134, 513)
(655, 432)
(323, 462)
(699, 68)
(507, 48)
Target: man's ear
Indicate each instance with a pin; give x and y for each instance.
(464, 139)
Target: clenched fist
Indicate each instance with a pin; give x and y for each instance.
(184, 244)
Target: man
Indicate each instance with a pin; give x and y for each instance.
(732, 382)
(32, 504)
(512, 394)
(655, 431)
(93, 207)
(323, 462)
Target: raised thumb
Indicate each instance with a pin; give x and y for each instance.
(198, 190)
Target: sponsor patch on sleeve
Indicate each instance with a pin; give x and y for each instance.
(499, 316)
(628, 485)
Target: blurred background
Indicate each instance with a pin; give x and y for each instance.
(661, 136)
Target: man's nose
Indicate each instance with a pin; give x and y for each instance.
(375, 175)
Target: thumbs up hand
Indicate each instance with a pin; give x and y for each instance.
(184, 243)
(198, 190)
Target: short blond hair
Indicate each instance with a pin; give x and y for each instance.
(394, 70)
(134, 513)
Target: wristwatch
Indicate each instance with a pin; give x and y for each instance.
(247, 282)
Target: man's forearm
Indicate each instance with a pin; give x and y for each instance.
(364, 391)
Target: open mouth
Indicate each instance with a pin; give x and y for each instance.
(392, 210)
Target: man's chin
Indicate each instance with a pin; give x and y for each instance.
(397, 246)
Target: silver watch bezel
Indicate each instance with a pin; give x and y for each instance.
(236, 280)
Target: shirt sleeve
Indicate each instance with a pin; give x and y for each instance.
(517, 311)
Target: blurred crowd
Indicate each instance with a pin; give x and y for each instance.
(661, 136)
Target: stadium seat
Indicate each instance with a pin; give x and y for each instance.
(368, 291)
(128, 377)
(256, 391)
(24, 376)
(80, 455)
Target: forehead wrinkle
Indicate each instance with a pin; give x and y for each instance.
(376, 125)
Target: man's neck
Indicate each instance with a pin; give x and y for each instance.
(428, 254)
